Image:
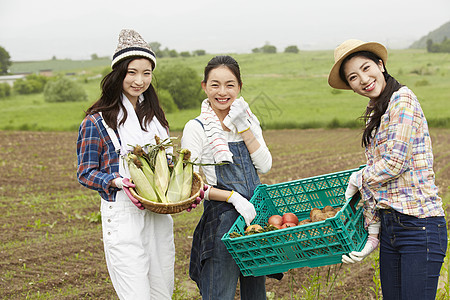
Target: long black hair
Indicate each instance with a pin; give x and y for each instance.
(377, 106)
(110, 102)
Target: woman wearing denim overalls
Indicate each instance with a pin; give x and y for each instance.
(225, 131)
(402, 207)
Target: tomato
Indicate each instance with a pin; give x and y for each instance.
(286, 225)
(290, 218)
(276, 220)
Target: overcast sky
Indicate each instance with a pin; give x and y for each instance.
(41, 29)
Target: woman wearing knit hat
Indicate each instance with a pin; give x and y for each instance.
(139, 245)
(402, 208)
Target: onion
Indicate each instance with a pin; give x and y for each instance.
(276, 220)
(290, 218)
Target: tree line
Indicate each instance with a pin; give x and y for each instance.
(176, 85)
(438, 47)
(267, 48)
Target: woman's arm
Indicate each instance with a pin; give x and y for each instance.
(89, 152)
(260, 154)
(218, 194)
(250, 141)
(193, 139)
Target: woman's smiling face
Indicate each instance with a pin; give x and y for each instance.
(137, 79)
(222, 88)
(364, 76)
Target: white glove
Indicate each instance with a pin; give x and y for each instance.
(239, 115)
(207, 189)
(122, 182)
(352, 187)
(354, 256)
(371, 244)
(374, 228)
(243, 207)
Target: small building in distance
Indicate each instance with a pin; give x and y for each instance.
(9, 79)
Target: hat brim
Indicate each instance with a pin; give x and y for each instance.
(335, 81)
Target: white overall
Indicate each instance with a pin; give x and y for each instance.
(139, 247)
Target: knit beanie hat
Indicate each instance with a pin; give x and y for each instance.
(132, 44)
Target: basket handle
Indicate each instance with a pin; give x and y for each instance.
(353, 202)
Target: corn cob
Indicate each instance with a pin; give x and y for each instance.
(187, 177)
(176, 180)
(143, 163)
(148, 172)
(162, 172)
(143, 186)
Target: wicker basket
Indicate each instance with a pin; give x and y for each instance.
(172, 208)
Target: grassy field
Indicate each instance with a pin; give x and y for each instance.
(284, 91)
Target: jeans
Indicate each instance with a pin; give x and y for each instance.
(412, 251)
(220, 272)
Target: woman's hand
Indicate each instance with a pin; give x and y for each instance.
(239, 116)
(120, 182)
(243, 207)
(203, 193)
(125, 184)
(355, 256)
(371, 244)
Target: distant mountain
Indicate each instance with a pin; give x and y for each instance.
(437, 36)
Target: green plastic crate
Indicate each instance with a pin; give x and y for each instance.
(310, 245)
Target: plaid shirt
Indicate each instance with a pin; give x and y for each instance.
(98, 163)
(399, 171)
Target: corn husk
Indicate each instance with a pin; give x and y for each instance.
(162, 172)
(176, 180)
(143, 186)
(145, 166)
(187, 177)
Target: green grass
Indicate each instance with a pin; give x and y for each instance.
(284, 91)
(63, 66)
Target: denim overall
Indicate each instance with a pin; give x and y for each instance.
(212, 267)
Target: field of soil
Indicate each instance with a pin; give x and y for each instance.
(51, 244)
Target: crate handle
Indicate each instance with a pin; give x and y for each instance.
(353, 201)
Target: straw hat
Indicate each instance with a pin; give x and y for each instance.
(345, 49)
(132, 44)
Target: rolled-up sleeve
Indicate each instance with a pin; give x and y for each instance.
(262, 159)
(94, 166)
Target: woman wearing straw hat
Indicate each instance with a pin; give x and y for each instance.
(139, 244)
(402, 208)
